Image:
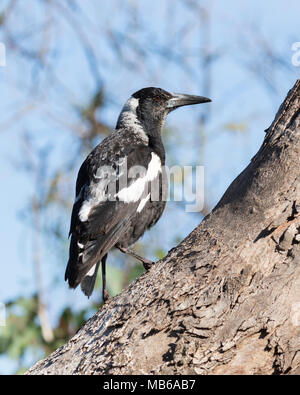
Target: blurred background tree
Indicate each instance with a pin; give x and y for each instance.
(70, 66)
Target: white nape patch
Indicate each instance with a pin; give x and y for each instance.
(79, 245)
(129, 119)
(131, 105)
(142, 203)
(91, 271)
(134, 192)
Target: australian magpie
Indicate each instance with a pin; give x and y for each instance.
(120, 186)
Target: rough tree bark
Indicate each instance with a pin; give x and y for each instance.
(224, 301)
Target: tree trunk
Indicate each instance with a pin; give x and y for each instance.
(224, 301)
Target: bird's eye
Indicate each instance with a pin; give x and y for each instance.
(157, 98)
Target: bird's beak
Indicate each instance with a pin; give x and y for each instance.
(179, 100)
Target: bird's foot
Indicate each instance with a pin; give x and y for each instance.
(148, 264)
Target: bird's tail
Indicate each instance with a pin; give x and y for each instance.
(80, 268)
(88, 282)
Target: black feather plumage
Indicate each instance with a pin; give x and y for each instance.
(115, 205)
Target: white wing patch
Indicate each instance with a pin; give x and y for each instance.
(135, 191)
(142, 203)
(106, 179)
(91, 271)
(97, 196)
(105, 176)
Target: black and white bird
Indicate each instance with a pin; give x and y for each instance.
(115, 200)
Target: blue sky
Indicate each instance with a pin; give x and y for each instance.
(241, 33)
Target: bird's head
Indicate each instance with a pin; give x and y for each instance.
(149, 107)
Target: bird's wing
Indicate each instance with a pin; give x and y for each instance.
(108, 196)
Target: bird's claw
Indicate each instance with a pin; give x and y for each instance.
(148, 265)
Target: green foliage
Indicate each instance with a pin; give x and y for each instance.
(22, 331)
(160, 253)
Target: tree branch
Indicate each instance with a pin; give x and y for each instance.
(224, 301)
